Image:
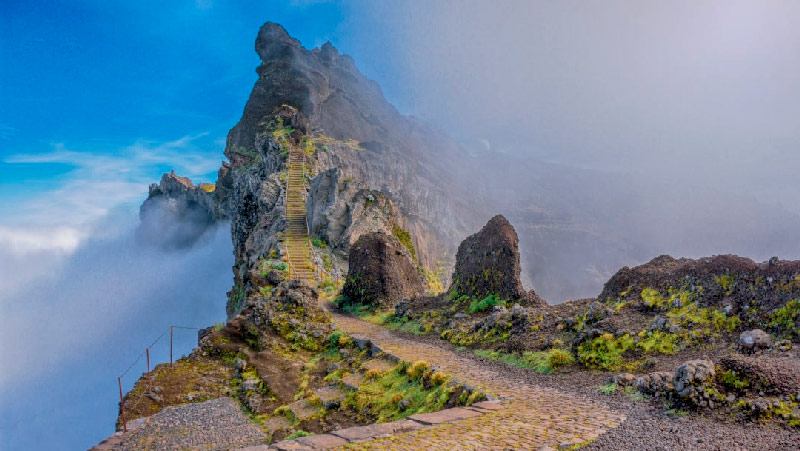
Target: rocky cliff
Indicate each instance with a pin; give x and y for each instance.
(368, 168)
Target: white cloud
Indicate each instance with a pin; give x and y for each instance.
(60, 218)
(21, 240)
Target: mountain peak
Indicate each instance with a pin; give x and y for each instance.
(273, 41)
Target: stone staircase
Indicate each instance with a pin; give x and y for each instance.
(295, 239)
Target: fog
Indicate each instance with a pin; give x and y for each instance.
(81, 320)
(644, 127)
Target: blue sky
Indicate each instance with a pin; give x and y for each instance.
(98, 98)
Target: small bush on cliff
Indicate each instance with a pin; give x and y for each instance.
(486, 303)
(405, 239)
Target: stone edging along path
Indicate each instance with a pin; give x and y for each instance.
(522, 416)
(374, 431)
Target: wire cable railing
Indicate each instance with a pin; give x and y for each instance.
(148, 373)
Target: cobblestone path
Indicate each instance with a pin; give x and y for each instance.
(533, 417)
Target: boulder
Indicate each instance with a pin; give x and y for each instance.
(657, 383)
(274, 277)
(250, 385)
(597, 312)
(487, 263)
(624, 379)
(381, 272)
(692, 381)
(751, 340)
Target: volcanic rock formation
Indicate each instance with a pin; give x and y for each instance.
(381, 272)
(488, 263)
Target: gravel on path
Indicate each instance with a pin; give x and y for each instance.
(211, 425)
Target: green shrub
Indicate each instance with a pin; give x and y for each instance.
(604, 352)
(380, 397)
(298, 434)
(558, 358)
(541, 362)
(608, 388)
(486, 303)
(731, 380)
(418, 369)
(405, 239)
(658, 342)
(787, 318)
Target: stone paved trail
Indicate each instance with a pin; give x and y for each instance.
(533, 417)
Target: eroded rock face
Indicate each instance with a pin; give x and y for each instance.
(381, 272)
(393, 154)
(341, 209)
(488, 263)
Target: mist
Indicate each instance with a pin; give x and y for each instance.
(632, 129)
(79, 322)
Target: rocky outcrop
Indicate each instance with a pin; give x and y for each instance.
(356, 131)
(291, 310)
(733, 283)
(381, 272)
(342, 210)
(487, 263)
(659, 383)
(177, 213)
(693, 381)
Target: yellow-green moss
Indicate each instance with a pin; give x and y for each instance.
(405, 239)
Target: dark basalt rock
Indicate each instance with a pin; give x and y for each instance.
(728, 281)
(488, 263)
(381, 272)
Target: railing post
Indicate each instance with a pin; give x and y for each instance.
(170, 344)
(149, 376)
(122, 405)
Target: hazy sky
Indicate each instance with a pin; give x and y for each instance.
(698, 92)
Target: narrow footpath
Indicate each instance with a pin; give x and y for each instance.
(532, 418)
